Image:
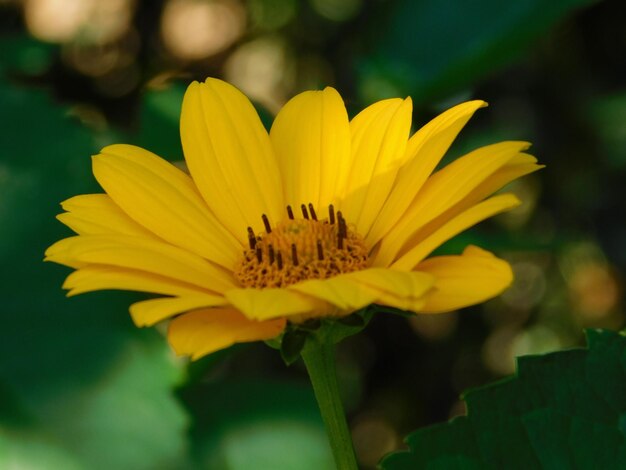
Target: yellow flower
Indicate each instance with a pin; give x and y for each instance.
(321, 217)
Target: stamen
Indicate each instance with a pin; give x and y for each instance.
(294, 249)
(294, 254)
(305, 214)
(266, 222)
(320, 250)
(251, 238)
(341, 233)
(343, 229)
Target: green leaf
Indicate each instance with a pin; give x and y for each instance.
(297, 335)
(561, 410)
(348, 326)
(291, 345)
(431, 48)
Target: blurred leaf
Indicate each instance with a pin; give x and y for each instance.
(607, 117)
(562, 410)
(82, 378)
(259, 424)
(25, 55)
(30, 452)
(158, 122)
(127, 418)
(431, 48)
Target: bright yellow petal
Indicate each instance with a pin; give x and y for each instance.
(462, 222)
(461, 281)
(202, 332)
(149, 312)
(379, 138)
(341, 291)
(311, 138)
(164, 200)
(230, 157)
(93, 214)
(100, 277)
(520, 165)
(443, 190)
(352, 291)
(405, 290)
(423, 152)
(265, 304)
(142, 254)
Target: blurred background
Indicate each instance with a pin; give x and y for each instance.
(81, 387)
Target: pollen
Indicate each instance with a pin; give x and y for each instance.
(301, 248)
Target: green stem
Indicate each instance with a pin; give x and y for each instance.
(319, 358)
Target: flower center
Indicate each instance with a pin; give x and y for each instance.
(300, 249)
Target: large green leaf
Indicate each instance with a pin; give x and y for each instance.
(561, 410)
(431, 48)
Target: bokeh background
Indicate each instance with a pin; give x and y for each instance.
(81, 387)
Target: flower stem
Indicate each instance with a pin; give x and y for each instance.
(319, 358)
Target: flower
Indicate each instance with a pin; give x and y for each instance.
(320, 217)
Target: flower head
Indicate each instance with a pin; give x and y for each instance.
(320, 217)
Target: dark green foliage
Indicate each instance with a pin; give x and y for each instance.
(562, 410)
(431, 48)
(78, 380)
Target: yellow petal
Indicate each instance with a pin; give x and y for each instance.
(149, 312)
(519, 165)
(341, 291)
(265, 304)
(311, 138)
(163, 199)
(462, 222)
(423, 152)
(443, 190)
(100, 277)
(465, 280)
(405, 290)
(379, 139)
(202, 332)
(141, 254)
(230, 157)
(92, 214)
